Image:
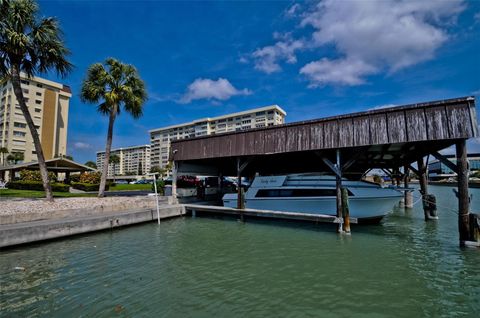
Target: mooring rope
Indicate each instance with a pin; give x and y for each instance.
(438, 205)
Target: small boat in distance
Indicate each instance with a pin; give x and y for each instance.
(316, 194)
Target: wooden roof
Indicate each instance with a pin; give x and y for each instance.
(386, 137)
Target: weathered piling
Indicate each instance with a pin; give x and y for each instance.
(339, 192)
(463, 198)
(429, 201)
(345, 211)
(408, 200)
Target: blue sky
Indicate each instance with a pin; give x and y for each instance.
(314, 59)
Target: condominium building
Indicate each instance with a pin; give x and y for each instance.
(48, 103)
(259, 117)
(134, 160)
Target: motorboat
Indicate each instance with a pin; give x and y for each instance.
(316, 194)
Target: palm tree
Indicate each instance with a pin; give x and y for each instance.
(15, 157)
(91, 164)
(114, 160)
(3, 151)
(113, 85)
(30, 45)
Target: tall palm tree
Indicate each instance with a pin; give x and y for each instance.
(30, 45)
(3, 151)
(113, 84)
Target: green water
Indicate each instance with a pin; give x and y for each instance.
(206, 267)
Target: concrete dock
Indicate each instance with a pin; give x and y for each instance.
(29, 232)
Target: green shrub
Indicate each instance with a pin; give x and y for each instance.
(90, 177)
(87, 186)
(75, 178)
(37, 186)
(160, 187)
(34, 175)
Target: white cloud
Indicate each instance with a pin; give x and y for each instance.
(267, 58)
(367, 37)
(81, 145)
(293, 10)
(383, 106)
(340, 72)
(204, 88)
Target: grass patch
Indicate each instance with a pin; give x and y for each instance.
(126, 187)
(40, 194)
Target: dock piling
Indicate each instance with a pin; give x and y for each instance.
(408, 200)
(345, 211)
(463, 198)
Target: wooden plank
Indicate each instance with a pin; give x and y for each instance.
(259, 147)
(346, 130)
(238, 147)
(361, 126)
(316, 136)
(437, 123)
(223, 146)
(267, 213)
(378, 129)
(249, 143)
(416, 125)
(280, 140)
(396, 127)
(270, 136)
(330, 129)
(292, 139)
(304, 137)
(459, 121)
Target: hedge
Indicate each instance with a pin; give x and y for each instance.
(87, 186)
(38, 186)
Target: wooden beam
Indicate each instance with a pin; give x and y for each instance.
(445, 161)
(414, 170)
(332, 166)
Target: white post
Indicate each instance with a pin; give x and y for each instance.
(156, 196)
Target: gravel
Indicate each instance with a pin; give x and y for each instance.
(11, 206)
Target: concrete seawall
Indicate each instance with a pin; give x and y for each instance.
(28, 232)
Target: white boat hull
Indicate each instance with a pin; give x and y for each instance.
(360, 208)
(315, 194)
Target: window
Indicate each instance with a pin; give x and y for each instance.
(38, 94)
(38, 102)
(18, 133)
(25, 91)
(278, 193)
(25, 82)
(39, 85)
(19, 125)
(37, 110)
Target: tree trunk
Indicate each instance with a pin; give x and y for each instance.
(103, 180)
(17, 89)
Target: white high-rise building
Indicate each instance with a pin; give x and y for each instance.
(259, 117)
(48, 103)
(134, 160)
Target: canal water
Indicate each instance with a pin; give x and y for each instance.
(207, 267)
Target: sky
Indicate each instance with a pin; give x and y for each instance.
(314, 59)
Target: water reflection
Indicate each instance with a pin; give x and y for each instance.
(207, 266)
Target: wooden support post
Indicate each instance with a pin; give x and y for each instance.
(345, 211)
(408, 200)
(422, 178)
(220, 186)
(174, 181)
(463, 198)
(240, 197)
(339, 191)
